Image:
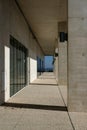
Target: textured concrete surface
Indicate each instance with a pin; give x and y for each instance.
(40, 107)
(21, 32)
(63, 91)
(9, 13)
(56, 68)
(78, 119)
(77, 55)
(43, 16)
(45, 79)
(62, 58)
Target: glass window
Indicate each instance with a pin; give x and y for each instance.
(18, 56)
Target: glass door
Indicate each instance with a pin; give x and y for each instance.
(18, 56)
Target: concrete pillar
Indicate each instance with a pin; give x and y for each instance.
(77, 55)
(62, 50)
(28, 69)
(4, 51)
(56, 62)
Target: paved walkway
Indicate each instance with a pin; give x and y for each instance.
(41, 106)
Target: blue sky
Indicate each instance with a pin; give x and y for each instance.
(48, 61)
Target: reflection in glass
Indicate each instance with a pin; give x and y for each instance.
(18, 54)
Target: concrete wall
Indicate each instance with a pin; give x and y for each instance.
(62, 49)
(62, 69)
(56, 68)
(34, 51)
(13, 23)
(77, 55)
(56, 61)
(4, 50)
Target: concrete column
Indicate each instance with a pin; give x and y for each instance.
(4, 51)
(77, 55)
(56, 62)
(28, 69)
(63, 63)
(62, 49)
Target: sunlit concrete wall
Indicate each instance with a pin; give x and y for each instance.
(13, 23)
(77, 55)
(33, 53)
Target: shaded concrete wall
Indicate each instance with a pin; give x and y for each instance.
(21, 32)
(62, 69)
(56, 68)
(13, 23)
(77, 55)
(56, 61)
(62, 50)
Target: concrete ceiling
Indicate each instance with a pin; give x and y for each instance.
(43, 17)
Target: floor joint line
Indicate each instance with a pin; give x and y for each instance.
(67, 110)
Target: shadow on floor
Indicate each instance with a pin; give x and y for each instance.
(43, 84)
(45, 78)
(35, 106)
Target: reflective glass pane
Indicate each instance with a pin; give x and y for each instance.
(17, 66)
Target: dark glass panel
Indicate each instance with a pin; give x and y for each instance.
(17, 66)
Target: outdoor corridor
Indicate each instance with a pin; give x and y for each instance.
(40, 106)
